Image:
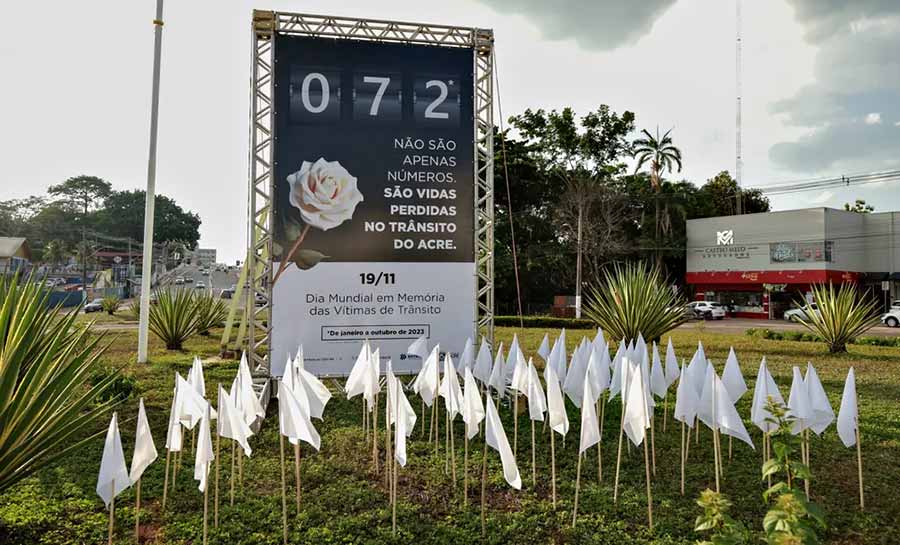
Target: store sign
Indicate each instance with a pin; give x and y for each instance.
(725, 238)
(374, 204)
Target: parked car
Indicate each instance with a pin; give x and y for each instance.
(895, 304)
(189, 280)
(892, 317)
(800, 313)
(227, 293)
(200, 285)
(94, 306)
(707, 310)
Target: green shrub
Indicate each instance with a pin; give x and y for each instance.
(120, 388)
(842, 315)
(110, 304)
(174, 317)
(550, 322)
(211, 312)
(134, 309)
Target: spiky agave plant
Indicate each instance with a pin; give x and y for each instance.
(211, 312)
(634, 298)
(842, 315)
(111, 304)
(48, 406)
(174, 317)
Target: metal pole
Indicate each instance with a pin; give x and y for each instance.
(578, 260)
(146, 266)
(738, 159)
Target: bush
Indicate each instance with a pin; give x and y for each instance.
(842, 315)
(211, 312)
(634, 299)
(550, 322)
(110, 304)
(174, 317)
(121, 386)
(134, 309)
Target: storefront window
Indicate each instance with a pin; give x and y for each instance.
(741, 301)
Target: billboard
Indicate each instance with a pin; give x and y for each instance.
(373, 202)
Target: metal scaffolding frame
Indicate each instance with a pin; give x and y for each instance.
(259, 264)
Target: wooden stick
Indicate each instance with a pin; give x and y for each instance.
(297, 475)
(599, 451)
(653, 442)
(647, 477)
(137, 511)
(175, 464)
(465, 468)
(193, 442)
(375, 435)
(687, 444)
(806, 441)
(682, 458)
(484, 487)
(388, 449)
(206, 509)
(446, 442)
(452, 452)
(112, 510)
(553, 465)
(437, 424)
(233, 445)
(365, 419)
(619, 457)
(577, 486)
(666, 410)
(283, 490)
(533, 459)
(166, 480)
(767, 445)
(394, 494)
(862, 501)
(716, 457)
(216, 495)
(241, 472)
(516, 426)
(423, 417)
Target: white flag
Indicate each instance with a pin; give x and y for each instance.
(316, 391)
(466, 357)
(822, 413)
(551, 360)
(195, 377)
(705, 409)
(727, 418)
(798, 403)
(686, 402)
(404, 423)
(248, 401)
(144, 448)
(450, 390)
(191, 405)
(293, 423)
(537, 401)
(419, 347)
(544, 349)
(598, 371)
(497, 380)
(483, 361)
(496, 439)
(556, 405)
(113, 477)
(848, 415)
(472, 408)
(637, 417)
(672, 370)
(515, 360)
(764, 388)
(404, 410)
(205, 455)
(174, 436)
(561, 358)
(428, 380)
(732, 377)
(575, 376)
(590, 425)
(696, 369)
(618, 370)
(658, 384)
(231, 423)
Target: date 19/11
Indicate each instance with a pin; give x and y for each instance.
(377, 279)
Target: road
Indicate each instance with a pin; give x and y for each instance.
(216, 281)
(740, 325)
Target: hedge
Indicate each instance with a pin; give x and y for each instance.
(763, 333)
(544, 321)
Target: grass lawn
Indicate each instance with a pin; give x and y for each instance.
(344, 501)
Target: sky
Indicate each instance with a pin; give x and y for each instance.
(821, 88)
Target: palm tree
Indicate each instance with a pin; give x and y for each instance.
(54, 253)
(663, 155)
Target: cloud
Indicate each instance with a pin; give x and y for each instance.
(857, 86)
(593, 24)
(822, 198)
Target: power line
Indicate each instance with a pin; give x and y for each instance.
(834, 181)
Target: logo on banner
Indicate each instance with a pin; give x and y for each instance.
(725, 238)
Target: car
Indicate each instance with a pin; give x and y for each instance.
(189, 280)
(707, 310)
(226, 293)
(205, 272)
(94, 306)
(895, 304)
(179, 280)
(200, 286)
(800, 313)
(891, 318)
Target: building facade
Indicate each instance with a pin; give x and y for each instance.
(762, 264)
(204, 256)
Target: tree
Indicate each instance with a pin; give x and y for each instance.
(583, 154)
(719, 197)
(123, 216)
(82, 193)
(663, 155)
(54, 252)
(860, 207)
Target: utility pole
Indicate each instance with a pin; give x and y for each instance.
(146, 266)
(738, 162)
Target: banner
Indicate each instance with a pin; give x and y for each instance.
(374, 212)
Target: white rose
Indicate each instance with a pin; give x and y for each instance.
(325, 193)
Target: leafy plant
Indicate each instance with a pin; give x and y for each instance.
(134, 309)
(47, 402)
(634, 299)
(211, 312)
(715, 518)
(792, 518)
(110, 304)
(842, 315)
(174, 317)
(121, 388)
